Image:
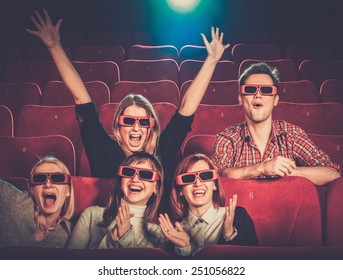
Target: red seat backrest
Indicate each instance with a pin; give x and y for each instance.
(334, 213)
(286, 212)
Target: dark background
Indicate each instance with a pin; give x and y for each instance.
(322, 20)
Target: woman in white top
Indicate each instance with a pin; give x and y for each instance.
(129, 220)
(198, 202)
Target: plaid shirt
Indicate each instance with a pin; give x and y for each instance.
(235, 147)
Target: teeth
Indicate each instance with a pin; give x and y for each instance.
(135, 189)
(199, 192)
(135, 137)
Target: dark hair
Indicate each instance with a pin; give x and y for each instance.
(150, 214)
(259, 68)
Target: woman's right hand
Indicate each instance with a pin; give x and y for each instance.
(46, 31)
(176, 235)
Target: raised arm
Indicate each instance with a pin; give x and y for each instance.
(197, 89)
(50, 35)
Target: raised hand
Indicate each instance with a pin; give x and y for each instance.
(46, 31)
(176, 235)
(216, 48)
(227, 228)
(123, 223)
(279, 166)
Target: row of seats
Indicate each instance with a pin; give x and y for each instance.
(167, 69)
(55, 93)
(290, 218)
(316, 119)
(237, 52)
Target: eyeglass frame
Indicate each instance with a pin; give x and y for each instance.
(258, 88)
(137, 119)
(67, 178)
(179, 181)
(155, 175)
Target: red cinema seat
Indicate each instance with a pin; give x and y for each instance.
(41, 53)
(212, 119)
(99, 38)
(241, 52)
(334, 214)
(105, 71)
(299, 53)
(331, 91)
(16, 95)
(286, 68)
(89, 191)
(155, 91)
(331, 144)
(138, 70)
(286, 212)
(56, 93)
(200, 143)
(225, 70)
(316, 118)
(217, 92)
(96, 53)
(317, 71)
(6, 122)
(21, 153)
(36, 72)
(35, 120)
(303, 91)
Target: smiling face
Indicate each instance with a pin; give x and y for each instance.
(49, 197)
(258, 108)
(199, 194)
(137, 191)
(134, 137)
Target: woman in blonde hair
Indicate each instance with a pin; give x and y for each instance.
(41, 216)
(136, 127)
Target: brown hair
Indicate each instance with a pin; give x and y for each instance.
(178, 203)
(150, 214)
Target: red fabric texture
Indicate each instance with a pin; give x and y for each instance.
(286, 212)
(90, 191)
(334, 213)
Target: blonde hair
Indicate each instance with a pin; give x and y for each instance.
(178, 203)
(68, 207)
(140, 101)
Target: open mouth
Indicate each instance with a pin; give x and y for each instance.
(257, 105)
(135, 189)
(135, 138)
(49, 199)
(199, 192)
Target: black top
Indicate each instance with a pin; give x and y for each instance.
(104, 153)
(245, 228)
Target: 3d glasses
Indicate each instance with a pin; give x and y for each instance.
(190, 177)
(143, 174)
(132, 120)
(55, 178)
(252, 89)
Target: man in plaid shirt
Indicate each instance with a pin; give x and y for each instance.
(261, 147)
